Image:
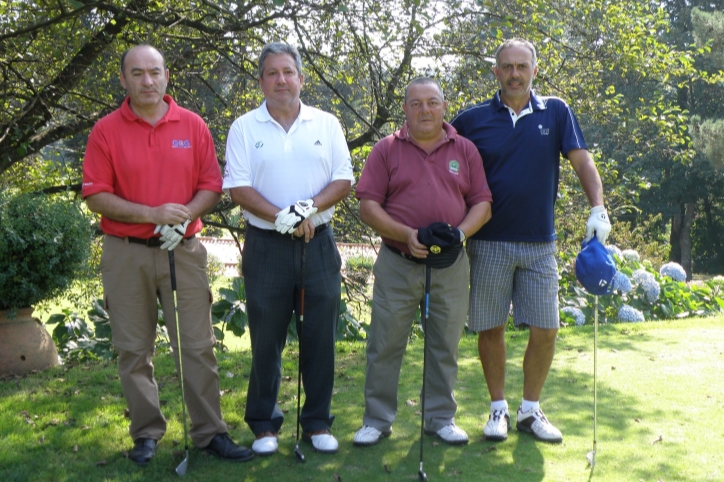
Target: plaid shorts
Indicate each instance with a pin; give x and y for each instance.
(502, 272)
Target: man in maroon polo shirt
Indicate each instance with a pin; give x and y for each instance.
(150, 167)
(422, 174)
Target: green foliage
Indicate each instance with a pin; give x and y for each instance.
(44, 244)
(708, 136)
(76, 341)
(214, 268)
(230, 311)
(359, 268)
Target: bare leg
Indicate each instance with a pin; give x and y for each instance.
(491, 349)
(537, 361)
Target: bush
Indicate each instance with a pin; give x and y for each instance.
(359, 268)
(44, 244)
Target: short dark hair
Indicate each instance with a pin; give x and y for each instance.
(516, 42)
(123, 57)
(275, 48)
(424, 80)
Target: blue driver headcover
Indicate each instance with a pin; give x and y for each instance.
(595, 268)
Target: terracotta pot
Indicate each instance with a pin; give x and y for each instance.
(25, 344)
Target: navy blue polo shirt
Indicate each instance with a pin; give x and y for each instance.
(522, 163)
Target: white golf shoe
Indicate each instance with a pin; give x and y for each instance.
(535, 422)
(368, 436)
(323, 441)
(451, 434)
(266, 444)
(498, 425)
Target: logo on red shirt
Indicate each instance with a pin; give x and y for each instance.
(181, 144)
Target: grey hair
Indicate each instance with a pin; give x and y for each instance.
(275, 48)
(516, 42)
(424, 80)
(123, 57)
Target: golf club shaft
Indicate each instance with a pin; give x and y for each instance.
(425, 317)
(595, 372)
(298, 452)
(172, 269)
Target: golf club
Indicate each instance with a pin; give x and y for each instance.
(181, 469)
(591, 456)
(422, 476)
(297, 452)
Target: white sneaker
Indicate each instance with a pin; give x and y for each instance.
(368, 436)
(535, 422)
(267, 445)
(498, 425)
(322, 441)
(451, 434)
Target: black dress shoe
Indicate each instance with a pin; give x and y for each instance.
(222, 446)
(143, 451)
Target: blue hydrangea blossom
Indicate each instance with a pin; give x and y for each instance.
(631, 255)
(629, 314)
(673, 271)
(575, 313)
(613, 249)
(621, 282)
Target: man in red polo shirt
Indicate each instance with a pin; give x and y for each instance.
(150, 167)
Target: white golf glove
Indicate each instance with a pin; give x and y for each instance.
(171, 235)
(598, 222)
(289, 219)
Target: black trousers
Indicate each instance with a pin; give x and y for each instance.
(271, 266)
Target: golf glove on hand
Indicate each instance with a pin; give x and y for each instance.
(598, 222)
(289, 219)
(171, 235)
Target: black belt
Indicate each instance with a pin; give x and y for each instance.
(273, 232)
(151, 242)
(408, 257)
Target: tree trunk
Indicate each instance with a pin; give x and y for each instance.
(687, 224)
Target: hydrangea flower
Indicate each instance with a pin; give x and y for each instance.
(652, 289)
(613, 249)
(629, 314)
(575, 313)
(631, 255)
(673, 271)
(640, 276)
(621, 282)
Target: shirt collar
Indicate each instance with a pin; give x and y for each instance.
(535, 102)
(305, 112)
(172, 114)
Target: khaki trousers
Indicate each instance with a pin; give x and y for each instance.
(135, 277)
(398, 291)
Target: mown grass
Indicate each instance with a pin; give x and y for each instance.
(660, 413)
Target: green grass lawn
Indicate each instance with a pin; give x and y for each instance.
(660, 417)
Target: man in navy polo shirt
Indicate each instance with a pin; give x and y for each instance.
(521, 137)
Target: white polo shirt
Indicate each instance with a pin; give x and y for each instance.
(285, 167)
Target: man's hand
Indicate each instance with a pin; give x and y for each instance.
(598, 222)
(171, 235)
(289, 219)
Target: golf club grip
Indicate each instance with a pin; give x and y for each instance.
(172, 268)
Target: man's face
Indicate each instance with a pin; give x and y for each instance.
(424, 111)
(515, 72)
(281, 83)
(144, 77)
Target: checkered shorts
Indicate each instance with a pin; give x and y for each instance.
(502, 272)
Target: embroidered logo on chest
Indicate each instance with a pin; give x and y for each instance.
(543, 132)
(258, 144)
(454, 167)
(181, 144)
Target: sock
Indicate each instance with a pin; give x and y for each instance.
(527, 406)
(499, 405)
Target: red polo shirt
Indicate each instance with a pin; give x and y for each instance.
(151, 165)
(416, 188)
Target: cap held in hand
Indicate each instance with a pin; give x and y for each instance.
(595, 268)
(443, 243)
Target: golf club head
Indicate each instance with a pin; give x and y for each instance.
(422, 476)
(299, 455)
(181, 469)
(591, 457)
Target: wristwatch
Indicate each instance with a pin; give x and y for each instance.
(462, 236)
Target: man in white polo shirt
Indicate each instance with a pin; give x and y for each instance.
(287, 165)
